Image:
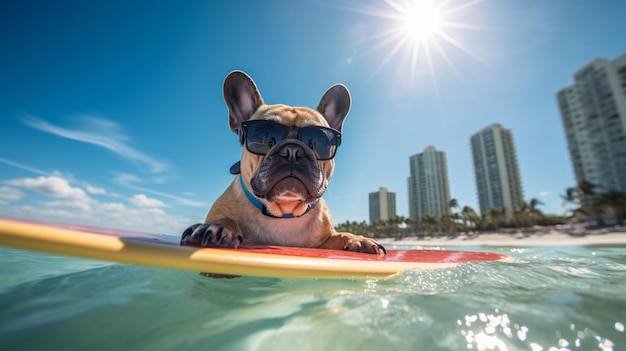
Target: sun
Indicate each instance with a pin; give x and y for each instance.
(421, 20)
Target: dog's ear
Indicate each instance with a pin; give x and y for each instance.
(335, 105)
(242, 98)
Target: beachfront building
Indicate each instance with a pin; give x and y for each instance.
(382, 205)
(496, 172)
(429, 192)
(593, 111)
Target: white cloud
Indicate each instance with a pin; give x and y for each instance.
(129, 181)
(101, 132)
(94, 190)
(544, 193)
(22, 166)
(8, 194)
(107, 215)
(51, 186)
(67, 203)
(141, 200)
(112, 207)
(125, 178)
(82, 205)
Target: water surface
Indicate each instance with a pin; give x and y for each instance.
(551, 298)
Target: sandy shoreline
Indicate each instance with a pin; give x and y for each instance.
(552, 238)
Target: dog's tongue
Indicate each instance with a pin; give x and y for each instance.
(288, 190)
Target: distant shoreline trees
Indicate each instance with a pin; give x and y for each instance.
(585, 202)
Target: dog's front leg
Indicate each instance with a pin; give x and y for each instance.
(352, 242)
(220, 233)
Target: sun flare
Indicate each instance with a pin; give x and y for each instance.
(421, 31)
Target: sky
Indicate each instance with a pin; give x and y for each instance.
(111, 112)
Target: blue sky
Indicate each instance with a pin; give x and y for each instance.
(111, 112)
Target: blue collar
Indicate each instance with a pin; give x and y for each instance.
(256, 203)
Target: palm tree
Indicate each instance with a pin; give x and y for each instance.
(410, 225)
(382, 225)
(447, 224)
(392, 226)
(452, 204)
(429, 222)
(495, 216)
(534, 212)
(468, 215)
(527, 214)
(364, 228)
(521, 214)
(616, 201)
(401, 226)
(451, 219)
(342, 227)
(585, 199)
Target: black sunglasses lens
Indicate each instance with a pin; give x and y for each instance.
(261, 137)
(322, 141)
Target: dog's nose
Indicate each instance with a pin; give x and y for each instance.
(291, 152)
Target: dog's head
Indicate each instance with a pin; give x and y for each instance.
(288, 151)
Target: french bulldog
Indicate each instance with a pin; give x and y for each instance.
(286, 164)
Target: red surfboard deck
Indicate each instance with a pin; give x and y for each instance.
(434, 256)
(277, 261)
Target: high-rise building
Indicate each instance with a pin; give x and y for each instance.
(593, 111)
(382, 205)
(497, 175)
(429, 192)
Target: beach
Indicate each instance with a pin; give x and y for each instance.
(541, 238)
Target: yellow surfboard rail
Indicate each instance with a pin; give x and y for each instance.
(75, 242)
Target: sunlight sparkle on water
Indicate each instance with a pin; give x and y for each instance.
(485, 331)
(488, 338)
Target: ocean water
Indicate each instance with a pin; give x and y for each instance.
(551, 298)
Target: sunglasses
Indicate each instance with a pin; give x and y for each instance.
(261, 135)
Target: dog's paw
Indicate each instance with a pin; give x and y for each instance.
(366, 245)
(357, 243)
(212, 235)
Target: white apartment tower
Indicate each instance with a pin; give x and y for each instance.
(593, 111)
(429, 192)
(497, 175)
(382, 205)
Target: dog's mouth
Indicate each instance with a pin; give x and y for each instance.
(289, 189)
(288, 195)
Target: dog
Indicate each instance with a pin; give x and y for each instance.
(285, 167)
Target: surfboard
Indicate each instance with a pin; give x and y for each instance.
(159, 250)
